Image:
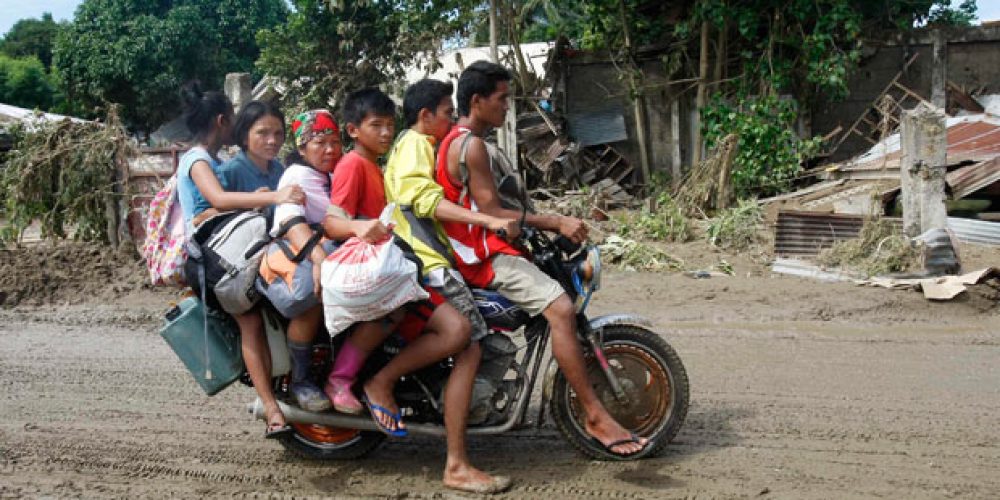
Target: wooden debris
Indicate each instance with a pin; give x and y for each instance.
(554, 162)
(707, 184)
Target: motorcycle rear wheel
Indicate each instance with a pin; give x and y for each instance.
(320, 442)
(654, 379)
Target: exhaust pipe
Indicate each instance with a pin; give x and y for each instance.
(296, 415)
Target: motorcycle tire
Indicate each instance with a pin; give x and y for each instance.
(320, 442)
(654, 379)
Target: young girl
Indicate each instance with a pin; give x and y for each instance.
(209, 116)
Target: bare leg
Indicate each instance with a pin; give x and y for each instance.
(257, 358)
(458, 471)
(447, 333)
(369, 335)
(569, 355)
(302, 328)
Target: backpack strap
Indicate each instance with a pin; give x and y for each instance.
(283, 243)
(204, 309)
(463, 168)
(410, 254)
(422, 228)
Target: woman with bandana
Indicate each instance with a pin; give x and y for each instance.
(317, 150)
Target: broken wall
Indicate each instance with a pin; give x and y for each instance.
(973, 64)
(592, 93)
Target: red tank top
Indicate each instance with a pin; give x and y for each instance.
(474, 245)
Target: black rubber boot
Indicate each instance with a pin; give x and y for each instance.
(307, 395)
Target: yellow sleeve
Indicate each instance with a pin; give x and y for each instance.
(409, 176)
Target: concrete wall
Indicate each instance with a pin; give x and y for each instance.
(592, 83)
(973, 63)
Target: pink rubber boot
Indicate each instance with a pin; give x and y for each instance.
(338, 384)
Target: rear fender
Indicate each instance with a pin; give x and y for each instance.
(595, 324)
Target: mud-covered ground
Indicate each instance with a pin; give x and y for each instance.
(799, 389)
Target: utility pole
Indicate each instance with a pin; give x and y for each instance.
(638, 102)
(507, 134)
(924, 144)
(494, 53)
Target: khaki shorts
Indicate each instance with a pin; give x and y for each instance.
(522, 283)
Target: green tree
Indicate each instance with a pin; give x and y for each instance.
(330, 47)
(31, 37)
(137, 53)
(24, 83)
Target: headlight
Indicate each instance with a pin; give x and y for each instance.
(587, 278)
(590, 269)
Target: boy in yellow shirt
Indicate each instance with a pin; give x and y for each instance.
(409, 182)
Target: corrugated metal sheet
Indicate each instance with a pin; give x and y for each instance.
(973, 140)
(805, 234)
(802, 269)
(970, 138)
(967, 180)
(597, 127)
(975, 231)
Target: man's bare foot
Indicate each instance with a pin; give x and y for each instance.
(613, 436)
(465, 477)
(378, 395)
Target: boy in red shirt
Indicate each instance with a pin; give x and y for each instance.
(357, 193)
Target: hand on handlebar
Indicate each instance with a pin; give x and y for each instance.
(574, 229)
(508, 229)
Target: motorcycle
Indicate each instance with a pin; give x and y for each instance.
(637, 375)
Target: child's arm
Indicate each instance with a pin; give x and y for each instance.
(209, 187)
(340, 228)
(426, 197)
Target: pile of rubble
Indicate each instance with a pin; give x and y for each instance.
(581, 181)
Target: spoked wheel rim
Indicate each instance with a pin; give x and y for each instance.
(646, 381)
(324, 436)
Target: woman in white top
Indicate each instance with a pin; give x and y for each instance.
(317, 149)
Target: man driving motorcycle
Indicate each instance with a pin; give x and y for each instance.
(487, 261)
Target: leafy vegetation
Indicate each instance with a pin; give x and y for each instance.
(64, 174)
(633, 255)
(666, 222)
(31, 38)
(769, 153)
(880, 248)
(736, 228)
(138, 53)
(328, 48)
(25, 83)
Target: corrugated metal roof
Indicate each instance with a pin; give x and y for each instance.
(967, 180)
(973, 137)
(975, 231)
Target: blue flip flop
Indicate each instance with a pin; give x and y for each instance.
(372, 408)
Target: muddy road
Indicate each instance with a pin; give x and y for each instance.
(798, 390)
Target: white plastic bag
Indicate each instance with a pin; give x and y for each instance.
(363, 281)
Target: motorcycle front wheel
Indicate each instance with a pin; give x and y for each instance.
(654, 380)
(320, 442)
